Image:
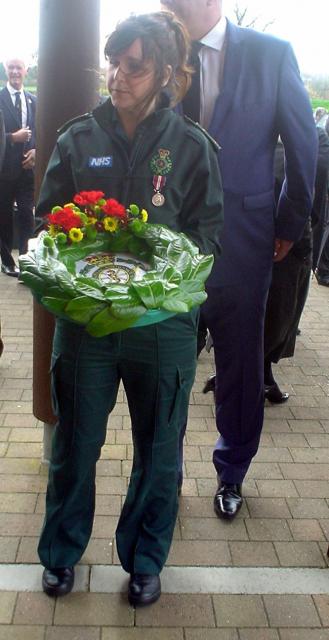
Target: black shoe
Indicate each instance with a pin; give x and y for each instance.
(322, 280)
(143, 589)
(274, 394)
(58, 582)
(210, 384)
(10, 271)
(228, 500)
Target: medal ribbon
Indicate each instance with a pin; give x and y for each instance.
(158, 182)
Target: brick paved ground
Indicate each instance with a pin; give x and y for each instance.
(284, 521)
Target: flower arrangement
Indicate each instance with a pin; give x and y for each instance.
(104, 266)
(70, 224)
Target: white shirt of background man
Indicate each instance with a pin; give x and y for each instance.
(13, 92)
(211, 62)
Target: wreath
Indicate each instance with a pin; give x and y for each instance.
(103, 266)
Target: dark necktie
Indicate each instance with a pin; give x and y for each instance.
(191, 102)
(18, 106)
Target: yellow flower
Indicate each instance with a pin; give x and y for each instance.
(144, 215)
(110, 224)
(75, 234)
(52, 230)
(91, 220)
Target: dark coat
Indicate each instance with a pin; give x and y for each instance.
(320, 211)
(2, 140)
(93, 153)
(262, 96)
(12, 164)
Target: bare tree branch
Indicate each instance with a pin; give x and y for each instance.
(243, 20)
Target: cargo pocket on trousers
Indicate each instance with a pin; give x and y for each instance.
(55, 362)
(178, 400)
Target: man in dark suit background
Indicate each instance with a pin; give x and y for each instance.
(250, 91)
(2, 153)
(17, 176)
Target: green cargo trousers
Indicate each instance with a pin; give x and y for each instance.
(156, 364)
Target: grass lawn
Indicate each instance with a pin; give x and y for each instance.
(318, 102)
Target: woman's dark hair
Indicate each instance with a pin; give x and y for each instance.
(164, 40)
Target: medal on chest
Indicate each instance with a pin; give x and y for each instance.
(158, 198)
(161, 164)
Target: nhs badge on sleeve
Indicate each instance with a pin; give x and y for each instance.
(99, 162)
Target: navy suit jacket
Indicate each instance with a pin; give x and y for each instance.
(262, 96)
(12, 164)
(2, 139)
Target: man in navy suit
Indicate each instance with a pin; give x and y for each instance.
(250, 92)
(17, 176)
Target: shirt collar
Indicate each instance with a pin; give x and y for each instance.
(214, 39)
(13, 91)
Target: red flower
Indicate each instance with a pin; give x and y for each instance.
(115, 209)
(65, 218)
(88, 197)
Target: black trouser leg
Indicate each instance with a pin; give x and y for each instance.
(7, 190)
(24, 200)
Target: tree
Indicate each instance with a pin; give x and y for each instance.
(243, 20)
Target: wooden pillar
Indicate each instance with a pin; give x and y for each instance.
(68, 65)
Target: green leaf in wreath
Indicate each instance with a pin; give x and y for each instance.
(128, 309)
(83, 289)
(83, 249)
(175, 249)
(55, 292)
(188, 245)
(54, 305)
(104, 323)
(175, 305)
(184, 264)
(119, 242)
(195, 299)
(34, 282)
(69, 262)
(202, 266)
(83, 309)
(116, 292)
(171, 274)
(137, 247)
(28, 263)
(191, 286)
(151, 294)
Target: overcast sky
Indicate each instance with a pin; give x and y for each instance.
(305, 24)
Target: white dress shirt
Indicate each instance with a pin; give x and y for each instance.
(13, 92)
(211, 62)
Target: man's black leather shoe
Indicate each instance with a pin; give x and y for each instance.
(228, 500)
(10, 271)
(324, 282)
(143, 589)
(58, 582)
(274, 394)
(210, 384)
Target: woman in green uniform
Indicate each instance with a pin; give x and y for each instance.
(136, 149)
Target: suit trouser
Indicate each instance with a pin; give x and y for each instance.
(157, 366)
(323, 264)
(21, 191)
(235, 318)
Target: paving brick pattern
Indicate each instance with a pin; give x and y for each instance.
(284, 521)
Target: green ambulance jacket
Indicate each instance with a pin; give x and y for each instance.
(93, 153)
